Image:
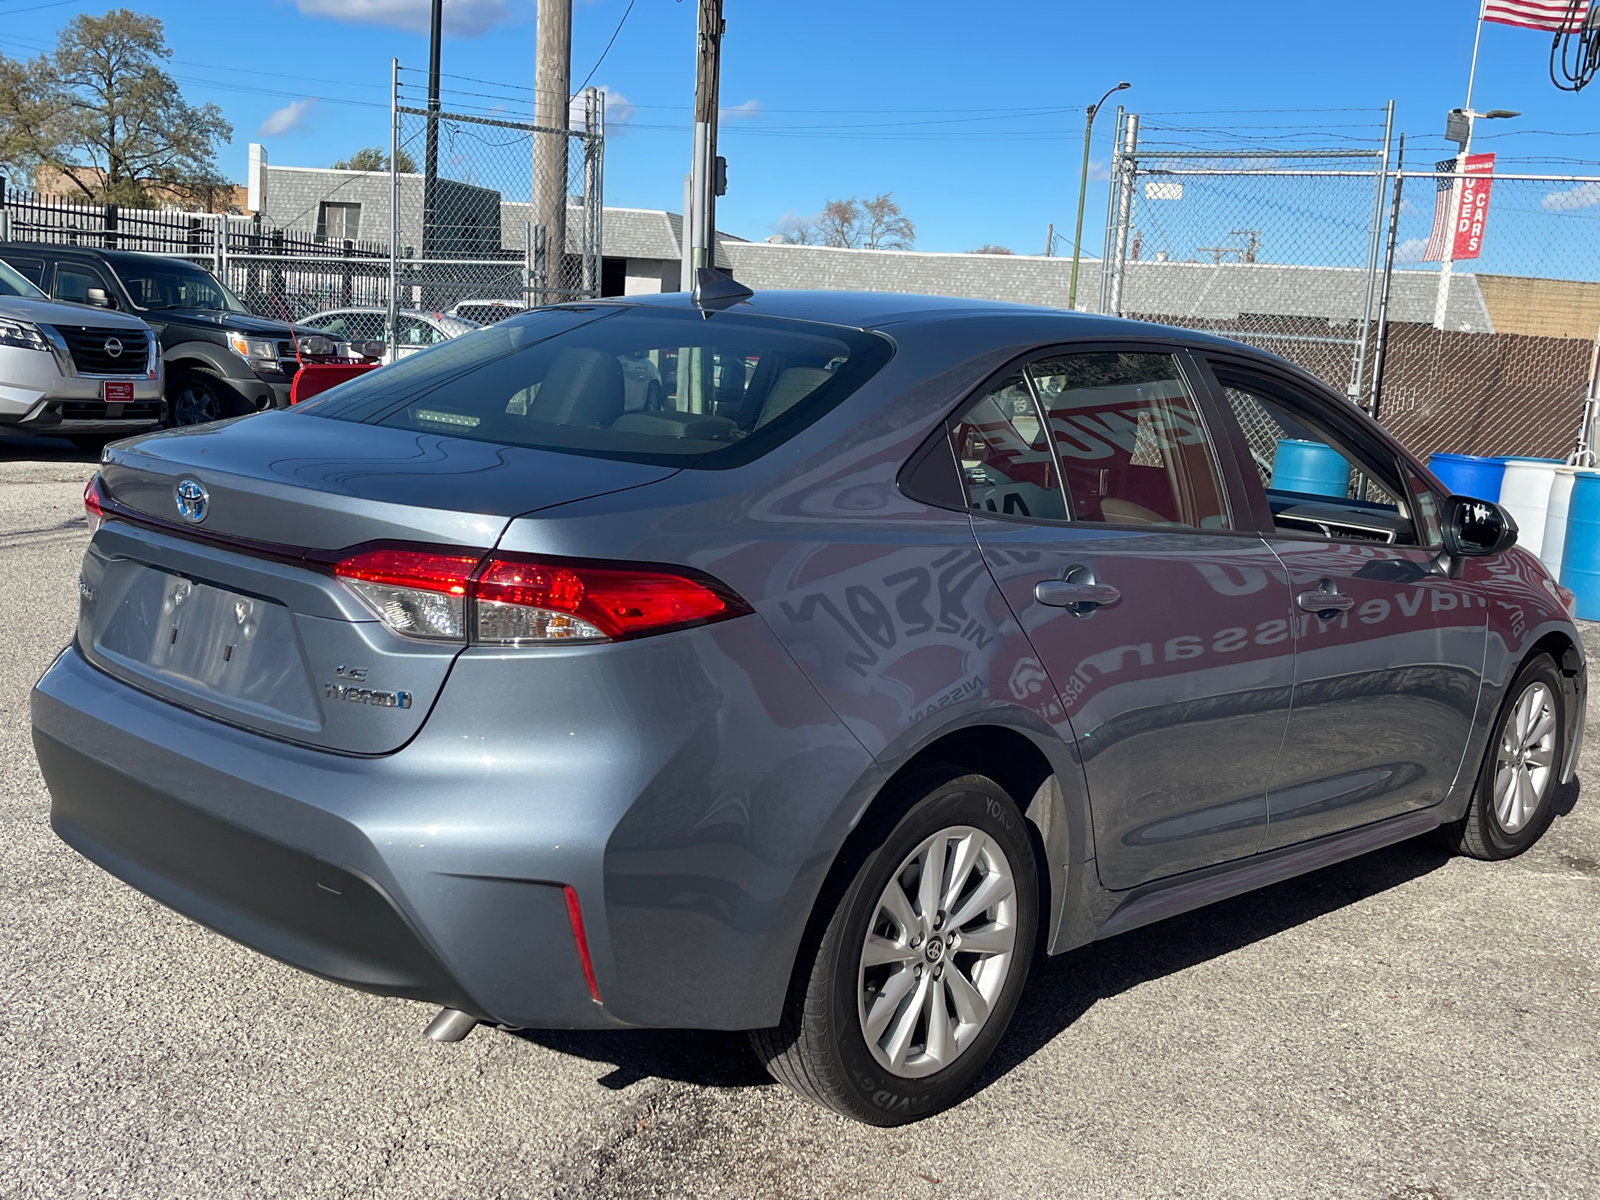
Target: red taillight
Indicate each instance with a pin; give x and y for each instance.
(446, 573)
(509, 600)
(590, 602)
(419, 593)
(92, 510)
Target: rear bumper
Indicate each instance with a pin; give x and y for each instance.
(284, 901)
(240, 849)
(692, 789)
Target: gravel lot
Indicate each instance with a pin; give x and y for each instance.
(1402, 1026)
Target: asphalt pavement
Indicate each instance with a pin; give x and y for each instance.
(1401, 1027)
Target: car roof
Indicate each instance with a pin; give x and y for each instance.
(128, 256)
(883, 310)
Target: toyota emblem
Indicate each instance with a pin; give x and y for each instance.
(114, 347)
(193, 501)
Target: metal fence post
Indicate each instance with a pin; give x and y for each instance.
(1359, 363)
(1125, 195)
(393, 322)
(1381, 349)
(1111, 210)
(109, 223)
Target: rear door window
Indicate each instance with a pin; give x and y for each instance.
(1131, 439)
(1006, 464)
(664, 386)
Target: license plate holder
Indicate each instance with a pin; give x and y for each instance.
(117, 391)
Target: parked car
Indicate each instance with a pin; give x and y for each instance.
(908, 638)
(487, 312)
(221, 359)
(362, 327)
(66, 374)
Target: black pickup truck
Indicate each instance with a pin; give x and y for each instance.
(221, 359)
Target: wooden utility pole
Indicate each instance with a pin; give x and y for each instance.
(552, 92)
(708, 66)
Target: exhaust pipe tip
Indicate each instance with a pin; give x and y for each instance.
(451, 1025)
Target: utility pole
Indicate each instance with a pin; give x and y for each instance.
(552, 100)
(1083, 187)
(702, 221)
(1050, 240)
(430, 153)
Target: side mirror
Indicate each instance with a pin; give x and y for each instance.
(1476, 527)
(98, 298)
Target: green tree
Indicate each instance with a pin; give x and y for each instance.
(372, 158)
(104, 117)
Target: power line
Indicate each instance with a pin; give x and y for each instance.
(607, 50)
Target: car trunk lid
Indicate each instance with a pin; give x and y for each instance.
(238, 614)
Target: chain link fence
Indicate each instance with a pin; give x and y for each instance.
(492, 214)
(1286, 250)
(473, 212)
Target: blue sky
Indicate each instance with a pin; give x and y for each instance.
(972, 115)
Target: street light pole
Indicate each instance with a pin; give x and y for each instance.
(1083, 187)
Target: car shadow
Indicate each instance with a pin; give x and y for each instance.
(1060, 989)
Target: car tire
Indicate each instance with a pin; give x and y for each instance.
(1511, 805)
(199, 395)
(889, 1017)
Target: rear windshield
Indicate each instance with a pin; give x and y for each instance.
(664, 386)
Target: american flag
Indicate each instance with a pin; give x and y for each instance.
(1552, 16)
(1439, 236)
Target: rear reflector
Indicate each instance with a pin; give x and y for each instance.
(507, 600)
(581, 941)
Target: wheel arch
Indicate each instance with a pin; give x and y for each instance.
(1566, 649)
(1023, 756)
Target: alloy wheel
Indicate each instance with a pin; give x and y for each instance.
(938, 950)
(1526, 762)
(195, 404)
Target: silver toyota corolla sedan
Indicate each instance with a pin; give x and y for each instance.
(903, 640)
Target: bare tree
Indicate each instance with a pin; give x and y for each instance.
(101, 115)
(838, 223)
(884, 226)
(852, 224)
(991, 248)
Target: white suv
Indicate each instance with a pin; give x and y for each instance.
(72, 371)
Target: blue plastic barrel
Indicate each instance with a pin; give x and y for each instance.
(1580, 556)
(1313, 468)
(1469, 475)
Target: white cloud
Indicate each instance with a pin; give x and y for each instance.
(1585, 195)
(462, 18)
(288, 119)
(1408, 206)
(1100, 170)
(749, 110)
(1411, 250)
